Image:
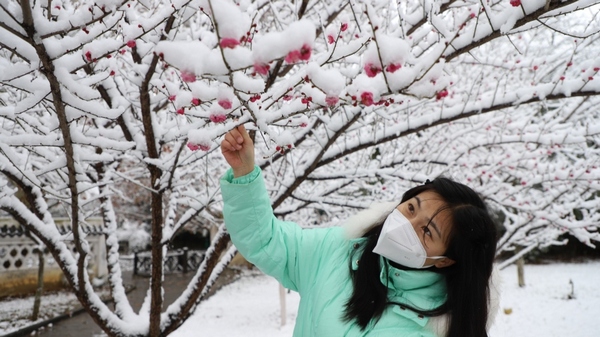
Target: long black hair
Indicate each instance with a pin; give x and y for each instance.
(472, 244)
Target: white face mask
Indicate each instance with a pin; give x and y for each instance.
(400, 243)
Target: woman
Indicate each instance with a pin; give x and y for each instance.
(418, 268)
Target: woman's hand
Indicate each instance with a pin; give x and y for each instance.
(238, 150)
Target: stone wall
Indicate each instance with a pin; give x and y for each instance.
(19, 258)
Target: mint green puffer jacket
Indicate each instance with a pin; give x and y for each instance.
(316, 263)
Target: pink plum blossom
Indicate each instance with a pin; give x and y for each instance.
(293, 56)
(225, 103)
(131, 43)
(331, 100)
(372, 70)
(303, 54)
(330, 39)
(194, 147)
(188, 76)
(229, 42)
(196, 101)
(218, 117)
(441, 94)
(392, 67)
(515, 3)
(261, 68)
(366, 98)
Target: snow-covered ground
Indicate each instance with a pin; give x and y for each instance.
(15, 313)
(251, 306)
(543, 308)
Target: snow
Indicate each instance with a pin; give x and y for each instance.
(186, 55)
(250, 307)
(232, 22)
(276, 44)
(14, 312)
(542, 307)
(331, 82)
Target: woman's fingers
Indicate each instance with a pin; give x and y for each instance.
(237, 139)
(231, 141)
(243, 134)
(238, 149)
(237, 136)
(226, 146)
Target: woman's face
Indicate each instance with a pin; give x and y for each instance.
(433, 229)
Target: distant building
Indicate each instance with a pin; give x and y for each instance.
(19, 261)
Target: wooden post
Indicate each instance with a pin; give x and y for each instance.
(40, 287)
(521, 271)
(282, 304)
(135, 263)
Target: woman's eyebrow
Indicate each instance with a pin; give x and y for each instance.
(429, 220)
(434, 225)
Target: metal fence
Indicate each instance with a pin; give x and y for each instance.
(179, 261)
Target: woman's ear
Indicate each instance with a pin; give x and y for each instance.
(444, 262)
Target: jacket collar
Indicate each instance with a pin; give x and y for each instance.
(421, 289)
(360, 223)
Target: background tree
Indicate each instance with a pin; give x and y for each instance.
(351, 102)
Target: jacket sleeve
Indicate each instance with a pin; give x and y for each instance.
(279, 248)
